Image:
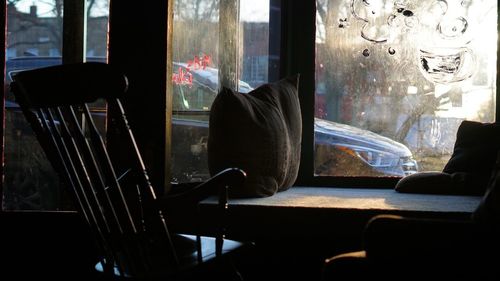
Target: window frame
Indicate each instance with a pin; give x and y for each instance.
(298, 56)
(3, 54)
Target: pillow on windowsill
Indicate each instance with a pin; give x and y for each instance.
(259, 132)
(469, 168)
(435, 182)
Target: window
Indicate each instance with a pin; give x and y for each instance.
(35, 40)
(198, 53)
(377, 113)
(394, 79)
(365, 93)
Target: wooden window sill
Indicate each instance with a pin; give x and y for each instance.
(325, 211)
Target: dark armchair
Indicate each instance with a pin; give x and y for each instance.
(403, 248)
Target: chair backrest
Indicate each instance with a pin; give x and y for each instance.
(117, 204)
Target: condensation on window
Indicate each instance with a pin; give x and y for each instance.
(215, 43)
(394, 79)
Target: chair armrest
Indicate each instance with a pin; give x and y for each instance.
(186, 201)
(192, 195)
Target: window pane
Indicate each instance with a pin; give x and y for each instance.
(34, 39)
(394, 79)
(197, 53)
(97, 48)
(254, 18)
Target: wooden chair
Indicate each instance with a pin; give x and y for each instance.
(119, 204)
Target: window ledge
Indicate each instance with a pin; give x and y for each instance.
(360, 199)
(326, 211)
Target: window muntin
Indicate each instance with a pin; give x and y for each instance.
(374, 74)
(34, 39)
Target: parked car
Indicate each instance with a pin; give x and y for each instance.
(340, 149)
(343, 150)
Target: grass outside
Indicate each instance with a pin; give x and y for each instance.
(432, 162)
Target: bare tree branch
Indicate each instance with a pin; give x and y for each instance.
(430, 104)
(12, 2)
(90, 5)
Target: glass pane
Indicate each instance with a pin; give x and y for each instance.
(97, 48)
(197, 53)
(34, 39)
(394, 79)
(254, 18)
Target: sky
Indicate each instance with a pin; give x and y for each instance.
(250, 10)
(254, 10)
(43, 9)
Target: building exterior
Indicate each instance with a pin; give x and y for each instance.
(30, 34)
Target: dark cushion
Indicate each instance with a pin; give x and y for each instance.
(474, 153)
(259, 132)
(458, 183)
(425, 182)
(469, 168)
